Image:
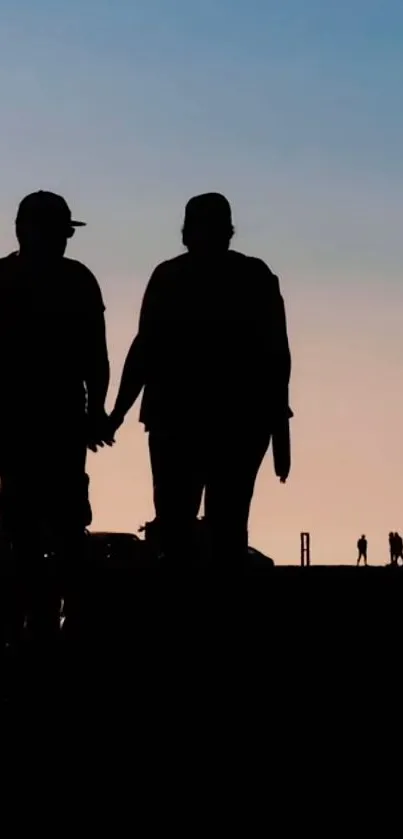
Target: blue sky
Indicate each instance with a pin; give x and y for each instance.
(130, 107)
(293, 109)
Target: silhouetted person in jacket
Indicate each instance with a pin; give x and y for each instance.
(398, 548)
(54, 375)
(392, 548)
(212, 352)
(362, 546)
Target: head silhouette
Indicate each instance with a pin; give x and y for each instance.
(44, 225)
(207, 227)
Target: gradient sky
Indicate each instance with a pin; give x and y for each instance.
(294, 110)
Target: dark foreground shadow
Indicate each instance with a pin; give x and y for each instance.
(139, 630)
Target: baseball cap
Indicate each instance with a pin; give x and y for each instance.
(48, 208)
(210, 208)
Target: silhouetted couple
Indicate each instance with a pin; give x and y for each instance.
(395, 548)
(211, 353)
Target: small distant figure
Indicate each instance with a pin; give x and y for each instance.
(395, 548)
(392, 548)
(362, 546)
(398, 548)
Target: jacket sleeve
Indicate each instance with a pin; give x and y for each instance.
(280, 336)
(271, 316)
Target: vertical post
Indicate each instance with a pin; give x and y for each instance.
(305, 550)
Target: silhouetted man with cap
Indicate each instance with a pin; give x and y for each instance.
(54, 375)
(362, 546)
(212, 352)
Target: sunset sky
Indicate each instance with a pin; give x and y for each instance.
(293, 109)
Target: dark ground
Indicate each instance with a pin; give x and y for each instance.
(147, 636)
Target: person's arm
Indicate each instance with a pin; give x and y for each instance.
(131, 383)
(272, 322)
(134, 371)
(280, 342)
(97, 370)
(284, 353)
(95, 355)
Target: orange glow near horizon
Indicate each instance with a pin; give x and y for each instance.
(346, 478)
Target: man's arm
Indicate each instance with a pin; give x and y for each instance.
(271, 316)
(272, 320)
(95, 353)
(281, 342)
(131, 383)
(97, 371)
(134, 370)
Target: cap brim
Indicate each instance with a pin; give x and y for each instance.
(78, 223)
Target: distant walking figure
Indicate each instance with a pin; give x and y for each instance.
(212, 352)
(54, 375)
(398, 548)
(392, 548)
(362, 546)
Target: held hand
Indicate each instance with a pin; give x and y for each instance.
(115, 420)
(282, 457)
(283, 471)
(104, 432)
(282, 448)
(99, 431)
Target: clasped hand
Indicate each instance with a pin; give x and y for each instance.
(101, 429)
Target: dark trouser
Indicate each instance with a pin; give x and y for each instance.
(224, 464)
(45, 506)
